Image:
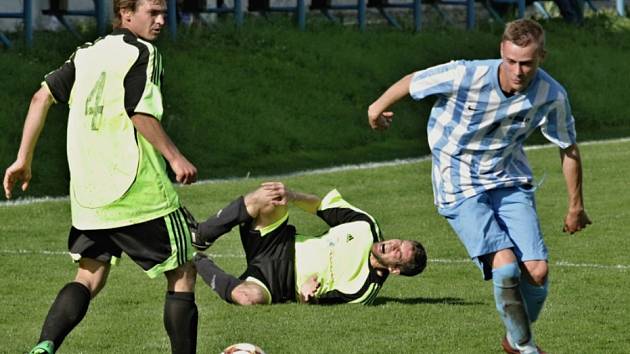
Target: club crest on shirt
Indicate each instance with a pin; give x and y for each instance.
(521, 118)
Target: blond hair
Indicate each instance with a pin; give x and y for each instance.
(523, 32)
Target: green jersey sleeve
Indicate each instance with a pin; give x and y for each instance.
(335, 210)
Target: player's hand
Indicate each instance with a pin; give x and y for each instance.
(276, 192)
(575, 221)
(185, 172)
(17, 172)
(380, 120)
(308, 289)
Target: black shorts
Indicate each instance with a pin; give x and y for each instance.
(157, 245)
(270, 258)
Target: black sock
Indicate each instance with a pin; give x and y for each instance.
(180, 321)
(65, 313)
(221, 282)
(233, 214)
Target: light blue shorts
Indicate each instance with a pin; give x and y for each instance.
(498, 219)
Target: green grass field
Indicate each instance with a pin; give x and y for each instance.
(448, 309)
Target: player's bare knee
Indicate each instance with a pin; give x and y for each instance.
(182, 278)
(537, 272)
(247, 294)
(92, 274)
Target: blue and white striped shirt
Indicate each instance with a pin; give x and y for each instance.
(476, 133)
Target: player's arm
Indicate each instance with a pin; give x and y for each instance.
(576, 218)
(335, 210)
(151, 129)
(307, 202)
(378, 116)
(20, 170)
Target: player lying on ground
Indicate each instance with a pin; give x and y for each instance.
(347, 264)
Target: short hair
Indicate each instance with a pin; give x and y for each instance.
(128, 5)
(522, 32)
(418, 263)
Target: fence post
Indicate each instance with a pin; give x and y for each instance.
(172, 18)
(417, 15)
(470, 14)
(301, 14)
(99, 8)
(362, 9)
(621, 9)
(28, 22)
(238, 13)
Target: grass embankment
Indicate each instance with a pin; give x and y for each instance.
(270, 99)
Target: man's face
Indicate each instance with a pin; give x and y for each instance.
(147, 21)
(393, 253)
(519, 65)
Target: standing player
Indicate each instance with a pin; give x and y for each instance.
(121, 197)
(481, 179)
(347, 264)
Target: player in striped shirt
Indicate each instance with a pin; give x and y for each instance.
(347, 264)
(482, 182)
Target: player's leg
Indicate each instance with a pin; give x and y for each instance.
(93, 254)
(475, 223)
(518, 215)
(163, 246)
(180, 310)
(230, 288)
(516, 212)
(256, 206)
(506, 280)
(251, 292)
(535, 287)
(71, 304)
(207, 232)
(235, 213)
(220, 281)
(263, 223)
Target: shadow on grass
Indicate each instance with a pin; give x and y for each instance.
(426, 300)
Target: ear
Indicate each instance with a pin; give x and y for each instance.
(542, 55)
(501, 48)
(125, 15)
(394, 270)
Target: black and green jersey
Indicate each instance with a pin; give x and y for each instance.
(341, 257)
(117, 177)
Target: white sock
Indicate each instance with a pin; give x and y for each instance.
(527, 348)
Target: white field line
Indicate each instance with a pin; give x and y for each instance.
(242, 255)
(361, 166)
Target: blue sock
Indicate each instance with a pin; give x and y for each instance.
(534, 297)
(510, 304)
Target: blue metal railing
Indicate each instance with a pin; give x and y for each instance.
(27, 17)
(361, 6)
(221, 8)
(99, 13)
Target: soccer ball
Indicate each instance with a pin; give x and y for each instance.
(243, 348)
